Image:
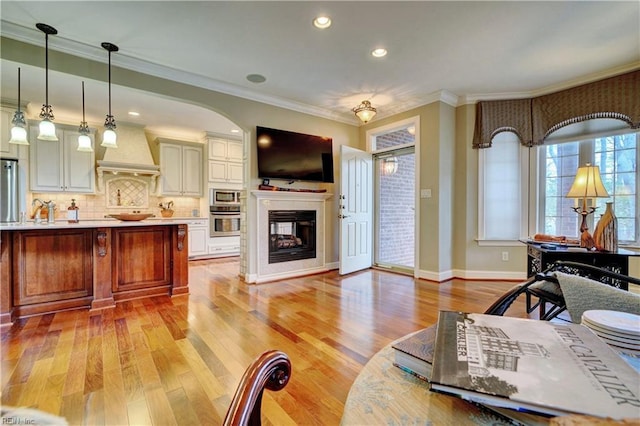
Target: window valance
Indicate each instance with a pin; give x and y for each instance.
(534, 119)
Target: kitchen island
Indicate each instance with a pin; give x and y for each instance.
(47, 268)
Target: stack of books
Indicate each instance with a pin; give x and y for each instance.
(517, 366)
(540, 367)
(414, 354)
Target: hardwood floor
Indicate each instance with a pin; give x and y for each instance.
(165, 361)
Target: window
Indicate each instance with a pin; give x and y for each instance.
(502, 190)
(617, 157)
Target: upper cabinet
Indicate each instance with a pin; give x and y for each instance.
(181, 168)
(58, 166)
(225, 160)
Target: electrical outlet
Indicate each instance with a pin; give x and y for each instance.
(505, 256)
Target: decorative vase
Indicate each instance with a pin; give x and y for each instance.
(606, 233)
(166, 212)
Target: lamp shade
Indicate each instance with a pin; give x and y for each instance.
(109, 139)
(19, 135)
(588, 184)
(84, 143)
(47, 130)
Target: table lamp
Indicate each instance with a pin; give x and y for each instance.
(587, 185)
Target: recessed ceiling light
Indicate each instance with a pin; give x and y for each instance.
(256, 78)
(379, 52)
(134, 113)
(235, 131)
(322, 22)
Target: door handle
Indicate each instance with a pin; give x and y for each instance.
(343, 216)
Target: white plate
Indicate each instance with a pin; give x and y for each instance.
(619, 322)
(601, 331)
(610, 342)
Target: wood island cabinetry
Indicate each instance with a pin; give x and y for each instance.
(50, 268)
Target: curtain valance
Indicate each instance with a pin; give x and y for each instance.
(534, 119)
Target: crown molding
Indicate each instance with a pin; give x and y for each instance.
(122, 60)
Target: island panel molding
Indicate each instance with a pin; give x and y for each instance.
(89, 265)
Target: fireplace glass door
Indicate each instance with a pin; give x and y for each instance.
(292, 235)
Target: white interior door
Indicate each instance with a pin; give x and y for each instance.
(355, 210)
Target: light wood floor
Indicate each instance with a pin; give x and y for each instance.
(166, 361)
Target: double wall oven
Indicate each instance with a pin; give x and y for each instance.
(224, 210)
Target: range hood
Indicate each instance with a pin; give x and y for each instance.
(132, 157)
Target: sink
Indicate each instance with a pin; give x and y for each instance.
(131, 216)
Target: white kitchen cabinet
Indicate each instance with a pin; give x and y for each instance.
(58, 166)
(198, 237)
(224, 246)
(225, 149)
(225, 160)
(181, 168)
(222, 171)
(7, 150)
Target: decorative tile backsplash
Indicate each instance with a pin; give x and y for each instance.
(127, 193)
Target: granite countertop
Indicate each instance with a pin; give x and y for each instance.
(98, 223)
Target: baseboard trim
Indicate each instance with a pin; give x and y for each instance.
(471, 275)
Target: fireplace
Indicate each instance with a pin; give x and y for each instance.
(292, 235)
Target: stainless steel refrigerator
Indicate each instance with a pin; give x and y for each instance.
(9, 200)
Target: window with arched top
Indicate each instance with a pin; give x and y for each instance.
(603, 143)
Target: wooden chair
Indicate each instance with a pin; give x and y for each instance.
(542, 291)
(270, 370)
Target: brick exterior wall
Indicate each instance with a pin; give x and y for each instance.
(397, 205)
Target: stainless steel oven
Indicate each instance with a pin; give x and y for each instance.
(224, 220)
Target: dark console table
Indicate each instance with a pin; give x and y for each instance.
(541, 255)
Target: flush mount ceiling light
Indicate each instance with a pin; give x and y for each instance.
(84, 141)
(322, 22)
(379, 52)
(109, 134)
(365, 112)
(18, 125)
(47, 128)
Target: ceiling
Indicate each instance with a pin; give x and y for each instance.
(464, 51)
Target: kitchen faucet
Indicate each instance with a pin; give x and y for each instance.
(51, 217)
(36, 213)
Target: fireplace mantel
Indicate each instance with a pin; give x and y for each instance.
(291, 195)
(288, 200)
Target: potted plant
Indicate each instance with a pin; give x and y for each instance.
(166, 209)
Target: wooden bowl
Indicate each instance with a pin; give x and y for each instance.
(131, 216)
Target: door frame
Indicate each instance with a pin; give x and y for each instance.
(387, 128)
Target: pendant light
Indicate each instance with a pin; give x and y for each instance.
(84, 141)
(18, 125)
(109, 134)
(47, 128)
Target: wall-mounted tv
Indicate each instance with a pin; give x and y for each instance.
(294, 156)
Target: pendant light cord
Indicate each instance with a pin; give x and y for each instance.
(109, 82)
(46, 65)
(18, 89)
(83, 120)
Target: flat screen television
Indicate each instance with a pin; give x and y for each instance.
(294, 156)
